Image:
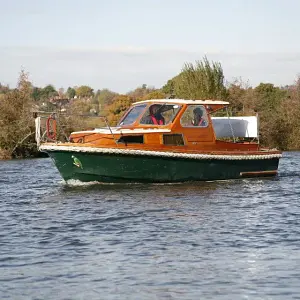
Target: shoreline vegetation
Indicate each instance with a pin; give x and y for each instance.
(278, 107)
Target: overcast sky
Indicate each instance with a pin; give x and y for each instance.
(121, 44)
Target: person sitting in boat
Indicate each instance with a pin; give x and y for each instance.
(198, 118)
(154, 117)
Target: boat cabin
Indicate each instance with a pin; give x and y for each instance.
(175, 124)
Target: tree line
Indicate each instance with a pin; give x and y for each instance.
(278, 107)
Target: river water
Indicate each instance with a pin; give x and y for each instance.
(216, 240)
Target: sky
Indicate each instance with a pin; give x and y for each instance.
(122, 44)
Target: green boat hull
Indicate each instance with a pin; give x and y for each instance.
(118, 168)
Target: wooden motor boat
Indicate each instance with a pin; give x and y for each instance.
(165, 140)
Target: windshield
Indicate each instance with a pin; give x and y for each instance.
(160, 114)
(133, 114)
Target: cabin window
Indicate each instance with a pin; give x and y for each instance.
(131, 139)
(160, 114)
(194, 116)
(132, 114)
(173, 139)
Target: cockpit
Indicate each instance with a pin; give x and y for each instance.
(157, 114)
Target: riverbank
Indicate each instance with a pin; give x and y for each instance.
(5, 155)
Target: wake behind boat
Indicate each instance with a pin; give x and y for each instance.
(163, 140)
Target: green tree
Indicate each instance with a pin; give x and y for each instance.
(204, 80)
(84, 91)
(158, 94)
(71, 93)
(268, 101)
(105, 98)
(268, 97)
(95, 99)
(36, 94)
(48, 92)
(169, 87)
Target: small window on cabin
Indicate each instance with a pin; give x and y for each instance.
(160, 114)
(173, 139)
(131, 139)
(194, 116)
(132, 114)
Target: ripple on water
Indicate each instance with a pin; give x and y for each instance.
(237, 239)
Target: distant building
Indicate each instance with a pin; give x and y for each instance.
(59, 102)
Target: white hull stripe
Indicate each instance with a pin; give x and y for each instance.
(51, 148)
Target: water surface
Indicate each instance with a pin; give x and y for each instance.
(217, 240)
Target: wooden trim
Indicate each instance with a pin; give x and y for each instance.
(258, 173)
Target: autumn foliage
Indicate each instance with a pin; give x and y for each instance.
(278, 108)
(16, 122)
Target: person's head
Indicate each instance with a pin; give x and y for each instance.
(198, 112)
(154, 109)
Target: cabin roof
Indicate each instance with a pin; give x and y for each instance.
(183, 101)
